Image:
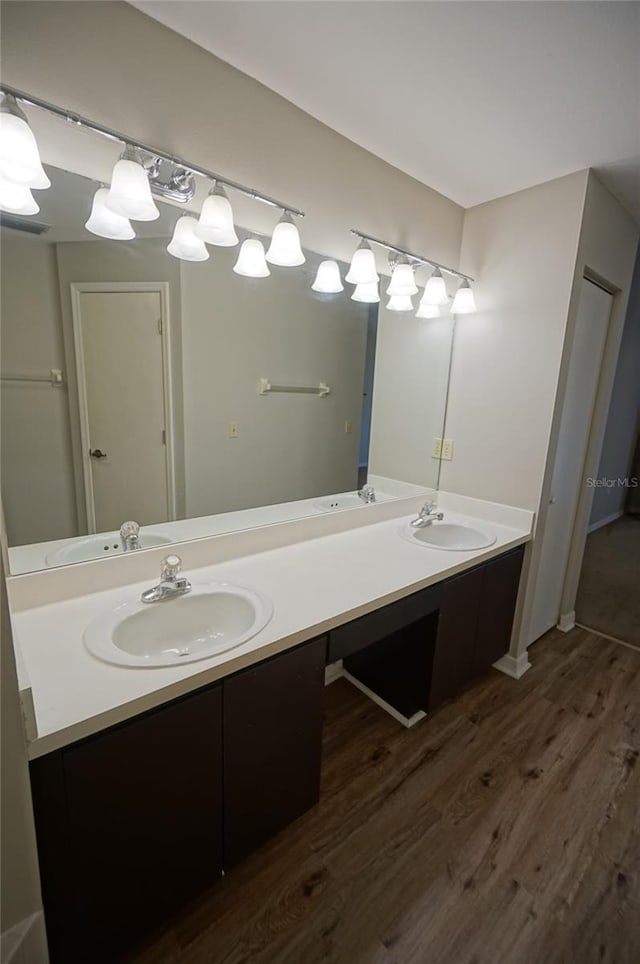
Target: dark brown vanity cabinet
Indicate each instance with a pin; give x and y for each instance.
(273, 742)
(420, 651)
(136, 820)
(129, 825)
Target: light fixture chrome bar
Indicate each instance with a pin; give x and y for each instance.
(79, 121)
(419, 258)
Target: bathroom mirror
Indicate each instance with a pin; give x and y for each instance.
(189, 398)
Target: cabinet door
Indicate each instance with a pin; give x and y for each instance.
(497, 608)
(453, 662)
(140, 829)
(272, 746)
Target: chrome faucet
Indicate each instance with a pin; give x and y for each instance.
(367, 494)
(428, 514)
(169, 585)
(130, 536)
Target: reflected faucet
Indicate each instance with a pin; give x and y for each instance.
(169, 585)
(130, 536)
(367, 494)
(428, 514)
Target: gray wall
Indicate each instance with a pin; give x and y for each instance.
(623, 420)
(37, 475)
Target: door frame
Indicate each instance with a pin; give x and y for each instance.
(126, 287)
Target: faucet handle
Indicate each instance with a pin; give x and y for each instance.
(170, 566)
(128, 529)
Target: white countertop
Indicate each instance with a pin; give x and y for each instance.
(314, 585)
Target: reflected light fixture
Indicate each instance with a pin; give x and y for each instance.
(427, 311)
(19, 156)
(130, 192)
(435, 292)
(105, 223)
(16, 198)
(215, 225)
(400, 303)
(367, 293)
(363, 266)
(285, 249)
(463, 303)
(328, 278)
(251, 261)
(402, 280)
(185, 243)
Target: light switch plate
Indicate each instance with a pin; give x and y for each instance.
(447, 449)
(233, 430)
(436, 448)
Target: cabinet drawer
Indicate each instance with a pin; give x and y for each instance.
(353, 636)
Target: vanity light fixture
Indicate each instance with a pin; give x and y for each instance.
(426, 310)
(402, 280)
(367, 293)
(328, 278)
(216, 219)
(130, 192)
(400, 303)
(16, 198)
(435, 292)
(463, 303)
(19, 156)
(251, 260)
(105, 223)
(363, 266)
(285, 249)
(185, 243)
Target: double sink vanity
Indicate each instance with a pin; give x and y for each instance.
(172, 738)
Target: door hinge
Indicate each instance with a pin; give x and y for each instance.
(159, 326)
(164, 436)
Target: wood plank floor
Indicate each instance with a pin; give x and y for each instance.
(504, 829)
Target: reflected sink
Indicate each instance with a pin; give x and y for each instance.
(209, 620)
(348, 500)
(457, 536)
(101, 546)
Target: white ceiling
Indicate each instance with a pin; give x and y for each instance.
(476, 99)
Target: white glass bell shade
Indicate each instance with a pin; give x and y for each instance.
(363, 266)
(185, 243)
(328, 278)
(285, 249)
(215, 225)
(251, 260)
(367, 293)
(130, 193)
(402, 281)
(19, 155)
(427, 311)
(16, 198)
(105, 223)
(463, 303)
(435, 292)
(400, 303)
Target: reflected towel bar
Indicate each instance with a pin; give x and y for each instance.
(55, 378)
(265, 387)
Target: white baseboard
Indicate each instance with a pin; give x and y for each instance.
(407, 721)
(606, 521)
(567, 622)
(513, 666)
(333, 672)
(26, 942)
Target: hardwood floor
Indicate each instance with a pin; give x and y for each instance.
(503, 829)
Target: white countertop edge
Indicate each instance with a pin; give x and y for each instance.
(261, 646)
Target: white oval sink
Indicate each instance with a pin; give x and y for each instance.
(457, 536)
(209, 620)
(100, 547)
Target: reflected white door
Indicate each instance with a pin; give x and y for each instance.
(121, 386)
(575, 425)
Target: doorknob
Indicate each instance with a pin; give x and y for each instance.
(97, 454)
